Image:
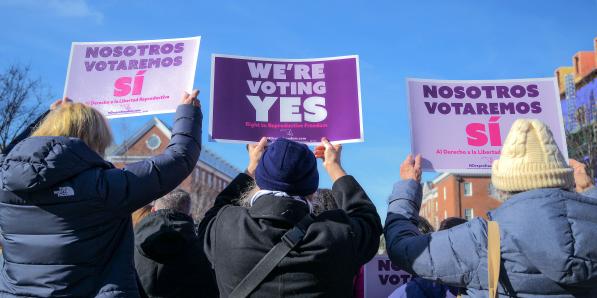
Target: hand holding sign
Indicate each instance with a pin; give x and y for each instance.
(59, 102)
(330, 154)
(582, 180)
(255, 153)
(411, 169)
(191, 98)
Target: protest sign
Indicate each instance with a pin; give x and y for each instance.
(381, 277)
(132, 78)
(460, 126)
(299, 99)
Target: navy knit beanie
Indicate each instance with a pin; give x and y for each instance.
(289, 167)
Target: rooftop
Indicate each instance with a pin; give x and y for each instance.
(207, 155)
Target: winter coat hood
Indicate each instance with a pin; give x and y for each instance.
(169, 257)
(40, 162)
(164, 235)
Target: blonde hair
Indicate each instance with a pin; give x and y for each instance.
(140, 214)
(79, 121)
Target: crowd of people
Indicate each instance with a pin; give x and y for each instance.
(67, 215)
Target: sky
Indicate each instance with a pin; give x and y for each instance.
(395, 40)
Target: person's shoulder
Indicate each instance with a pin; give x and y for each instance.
(548, 198)
(233, 209)
(332, 216)
(336, 222)
(548, 207)
(591, 192)
(231, 213)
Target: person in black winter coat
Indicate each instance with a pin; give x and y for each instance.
(335, 245)
(169, 255)
(65, 212)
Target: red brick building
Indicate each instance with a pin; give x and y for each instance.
(457, 195)
(210, 176)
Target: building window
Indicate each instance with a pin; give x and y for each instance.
(445, 214)
(469, 213)
(153, 142)
(445, 193)
(468, 189)
(435, 206)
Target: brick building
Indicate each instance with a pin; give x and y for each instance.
(578, 96)
(457, 195)
(210, 176)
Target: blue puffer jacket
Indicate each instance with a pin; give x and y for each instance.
(65, 213)
(548, 244)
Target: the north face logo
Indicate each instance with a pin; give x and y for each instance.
(64, 191)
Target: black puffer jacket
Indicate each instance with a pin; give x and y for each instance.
(169, 257)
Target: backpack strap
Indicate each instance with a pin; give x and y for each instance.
(493, 257)
(267, 264)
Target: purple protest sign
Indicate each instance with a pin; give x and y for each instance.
(381, 277)
(460, 126)
(132, 78)
(298, 99)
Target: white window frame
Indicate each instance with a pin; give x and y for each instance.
(472, 213)
(445, 193)
(471, 188)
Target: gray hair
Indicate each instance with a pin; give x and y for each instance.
(252, 189)
(178, 200)
(500, 195)
(245, 197)
(324, 201)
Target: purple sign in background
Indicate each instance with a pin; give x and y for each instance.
(460, 126)
(298, 99)
(131, 78)
(381, 277)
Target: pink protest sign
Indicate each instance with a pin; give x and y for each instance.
(381, 277)
(459, 126)
(132, 78)
(298, 99)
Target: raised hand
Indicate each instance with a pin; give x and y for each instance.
(255, 153)
(581, 178)
(191, 98)
(330, 154)
(56, 104)
(411, 168)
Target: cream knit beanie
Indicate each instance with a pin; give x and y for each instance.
(530, 159)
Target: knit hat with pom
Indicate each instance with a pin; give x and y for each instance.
(530, 159)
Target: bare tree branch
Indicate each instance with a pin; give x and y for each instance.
(21, 99)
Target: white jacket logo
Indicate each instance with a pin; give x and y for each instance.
(64, 191)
